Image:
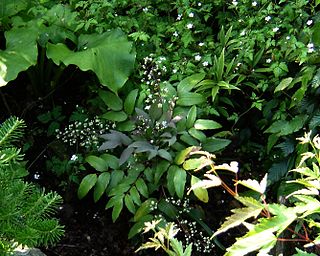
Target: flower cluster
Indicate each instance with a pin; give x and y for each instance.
(191, 232)
(85, 134)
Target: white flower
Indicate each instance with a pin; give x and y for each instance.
(254, 4)
(199, 4)
(268, 18)
(268, 60)
(190, 26)
(205, 63)
(201, 44)
(309, 22)
(234, 2)
(147, 107)
(243, 32)
(310, 47)
(74, 158)
(175, 33)
(179, 17)
(145, 9)
(36, 176)
(191, 14)
(288, 37)
(276, 29)
(197, 57)
(174, 71)
(316, 141)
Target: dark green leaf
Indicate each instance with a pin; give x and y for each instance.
(215, 144)
(97, 163)
(191, 117)
(190, 99)
(135, 196)
(145, 208)
(130, 101)
(111, 100)
(119, 116)
(101, 185)
(129, 204)
(86, 184)
(205, 124)
(179, 181)
(165, 154)
(142, 187)
(187, 84)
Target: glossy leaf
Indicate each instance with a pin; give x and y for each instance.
(145, 208)
(142, 187)
(135, 196)
(115, 116)
(161, 168)
(187, 84)
(101, 185)
(109, 55)
(191, 117)
(129, 203)
(205, 124)
(130, 101)
(86, 184)
(179, 181)
(215, 144)
(112, 100)
(97, 163)
(190, 99)
(21, 52)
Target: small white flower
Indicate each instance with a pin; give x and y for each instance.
(254, 4)
(201, 44)
(179, 17)
(191, 14)
(36, 176)
(190, 26)
(175, 33)
(174, 71)
(205, 63)
(309, 22)
(276, 29)
(159, 105)
(145, 9)
(197, 57)
(288, 37)
(268, 60)
(234, 2)
(310, 47)
(147, 107)
(199, 4)
(74, 158)
(268, 18)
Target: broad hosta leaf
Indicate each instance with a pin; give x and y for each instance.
(109, 55)
(204, 124)
(86, 184)
(21, 52)
(101, 185)
(187, 84)
(179, 181)
(200, 193)
(111, 100)
(97, 163)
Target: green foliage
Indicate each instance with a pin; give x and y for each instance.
(26, 210)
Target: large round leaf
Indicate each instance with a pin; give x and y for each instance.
(109, 55)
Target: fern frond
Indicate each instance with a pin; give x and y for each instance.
(11, 131)
(9, 154)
